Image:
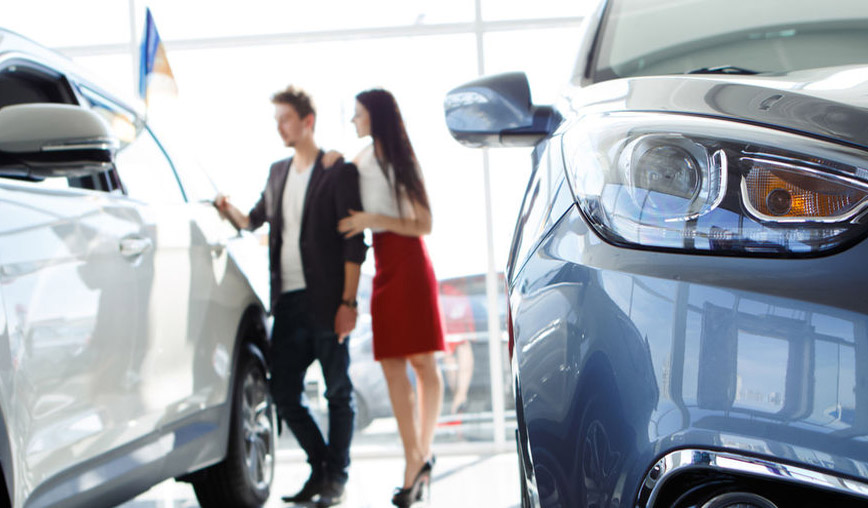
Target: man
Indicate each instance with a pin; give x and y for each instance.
(314, 279)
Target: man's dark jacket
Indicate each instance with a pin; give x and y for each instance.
(331, 193)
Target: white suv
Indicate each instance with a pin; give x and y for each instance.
(132, 341)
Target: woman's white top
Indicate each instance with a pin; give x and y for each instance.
(376, 189)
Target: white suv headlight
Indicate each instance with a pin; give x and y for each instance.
(692, 183)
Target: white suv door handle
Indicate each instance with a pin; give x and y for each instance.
(218, 247)
(132, 246)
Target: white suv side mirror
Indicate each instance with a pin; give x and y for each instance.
(45, 140)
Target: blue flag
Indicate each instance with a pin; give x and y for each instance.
(155, 75)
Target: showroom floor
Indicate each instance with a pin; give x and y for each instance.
(460, 479)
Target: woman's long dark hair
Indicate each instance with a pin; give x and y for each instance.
(392, 145)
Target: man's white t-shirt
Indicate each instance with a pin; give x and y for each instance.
(291, 272)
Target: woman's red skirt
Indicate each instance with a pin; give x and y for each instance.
(405, 308)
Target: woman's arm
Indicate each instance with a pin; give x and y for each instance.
(357, 222)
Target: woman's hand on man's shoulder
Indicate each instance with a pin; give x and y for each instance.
(331, 159)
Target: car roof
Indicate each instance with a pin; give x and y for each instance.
(15, 45)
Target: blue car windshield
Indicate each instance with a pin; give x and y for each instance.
(653, 37)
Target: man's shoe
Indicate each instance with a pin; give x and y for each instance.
(331, 494)
(313, 486)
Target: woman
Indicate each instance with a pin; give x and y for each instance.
(405, 311)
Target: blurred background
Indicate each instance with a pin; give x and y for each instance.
(229, 57)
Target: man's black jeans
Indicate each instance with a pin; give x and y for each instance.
(296, 341)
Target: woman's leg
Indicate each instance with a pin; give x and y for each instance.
(429, 384)
(464, 358)
(403, 405)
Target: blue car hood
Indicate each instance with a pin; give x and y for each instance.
(828, 103)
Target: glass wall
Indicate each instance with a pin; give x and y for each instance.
(228, 58)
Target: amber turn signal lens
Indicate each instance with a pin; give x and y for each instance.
(778, 193)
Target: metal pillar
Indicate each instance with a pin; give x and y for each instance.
(494, 347)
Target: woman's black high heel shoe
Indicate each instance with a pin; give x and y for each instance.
(427, 468)
(403, 498)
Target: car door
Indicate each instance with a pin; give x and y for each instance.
(182, 367)
(69, 296)
(231, 263)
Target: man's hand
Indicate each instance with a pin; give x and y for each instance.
(221, 202)
(229, 212)
(345, 321)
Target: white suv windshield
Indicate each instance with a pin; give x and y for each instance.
(647, 37)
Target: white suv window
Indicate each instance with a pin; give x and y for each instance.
(146, 173)
(194, 180)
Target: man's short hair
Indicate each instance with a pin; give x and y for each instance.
(297, 98)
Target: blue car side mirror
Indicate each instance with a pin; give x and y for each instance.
(497, 111)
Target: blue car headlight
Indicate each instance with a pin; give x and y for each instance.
(708, 185)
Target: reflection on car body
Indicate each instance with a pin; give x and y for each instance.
(685, 285)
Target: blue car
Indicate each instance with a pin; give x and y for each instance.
(687, 281)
